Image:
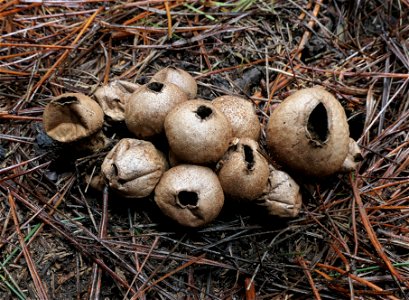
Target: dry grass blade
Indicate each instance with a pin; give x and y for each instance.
(40, 289)
(372, 235)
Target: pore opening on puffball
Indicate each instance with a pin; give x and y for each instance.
(248, 156)
(188, 198)
(156, 86)
(66, 100)
(318, 123)
(204, 112)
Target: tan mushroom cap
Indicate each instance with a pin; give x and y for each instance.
(148, 106)
(189, 194)
(243, 172)
(308, 133)
(282, 197)
(241, 114)
(133, 168)
(71, 117)
(198, 132)
(113, 96)
(179, 77)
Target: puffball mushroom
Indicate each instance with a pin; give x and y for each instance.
(189, 194)
(282, 196)
(353, 157)
(179, 77)
(113, 96)
(147, 107)
(241, 114)
(75, 118)
(133, 168)
(243, 172)
(197, 132)
(308, 133)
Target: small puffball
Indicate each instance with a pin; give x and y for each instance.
(282, 197)
(113, 97)
(354, 156)
(241, 115)
(190, 195)
(148, 106)
(243, 172)
(179, 77)
(133, 168)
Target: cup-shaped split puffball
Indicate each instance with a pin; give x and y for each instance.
(179, 77)
(190, 195)
(133, 168)
(75, 118)
(282, 196)
(309, 134)
(113, 96)
(147, 107)
(241, 115)
(197, 132)
(243, 171)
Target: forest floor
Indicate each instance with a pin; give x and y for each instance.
(62, 240)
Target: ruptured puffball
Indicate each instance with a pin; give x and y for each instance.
(179, 77)
(190, 195)
(147, 107)
(198, 132)
(113, 96)
(243, 172)
(241, 114)
(282, 197)
(309, 134)
(75, 119)
(133, 168)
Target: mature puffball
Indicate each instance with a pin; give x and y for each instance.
(147, 108)
(241, 114)
(197, 132)
(133, 168)
(189, 194)
(282, 197)
(179, 77)
(243, 172)
(71, 117)
(309, 134)
(75, 118)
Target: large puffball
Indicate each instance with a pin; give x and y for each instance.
(197, 132)
(309, 134)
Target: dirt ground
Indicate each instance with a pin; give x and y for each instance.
(62, 240)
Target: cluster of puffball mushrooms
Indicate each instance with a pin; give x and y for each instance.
(214, 147)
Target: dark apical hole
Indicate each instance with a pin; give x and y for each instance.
(188, 198)
(203, 112)
(114, 170)
(156, 86)
(248, 156)
(318, 123)
(356, 125)
(66, 100)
